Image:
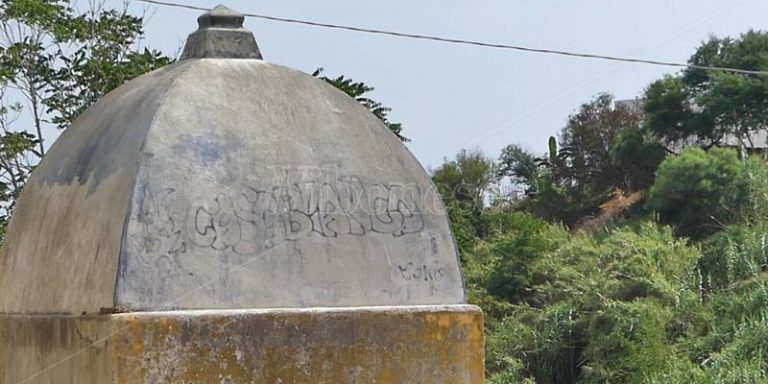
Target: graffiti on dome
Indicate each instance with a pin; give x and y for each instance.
(257, 219)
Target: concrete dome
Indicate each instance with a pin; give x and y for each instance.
(223, 181)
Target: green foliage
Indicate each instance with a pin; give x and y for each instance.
(358, 91)
(602, 149)
(14, 169)
(733, 344)
(633, 302)
(737, 254)
(588, 138)
(630, 305)
(514, 374)
(68, 59)
(669, 112)
(701, 192)
(709, 105)
(561, 204)
(510, 256)
(465, 178)
(552, 145)
(599, 308)
(463, 183)
(637, 157)
(521, 166)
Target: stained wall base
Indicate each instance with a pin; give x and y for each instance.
(423, 344)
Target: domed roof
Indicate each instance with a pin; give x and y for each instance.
(223, 181)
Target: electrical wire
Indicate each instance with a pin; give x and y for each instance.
(470, 42)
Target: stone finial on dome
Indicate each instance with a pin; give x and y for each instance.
(221, 17)
(221, 35)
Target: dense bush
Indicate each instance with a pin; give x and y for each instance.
(701, 193)
(633, 304)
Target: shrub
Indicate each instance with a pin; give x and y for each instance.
(700, 193)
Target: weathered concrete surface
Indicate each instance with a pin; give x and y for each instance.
(261, 186)
(55, 349)
(227, 183)
(423, 345)
(60, 251)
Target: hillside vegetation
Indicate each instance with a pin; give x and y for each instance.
(636, 249)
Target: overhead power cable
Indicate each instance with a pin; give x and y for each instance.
(470, 42)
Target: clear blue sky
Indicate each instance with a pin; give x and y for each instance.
(450, 97)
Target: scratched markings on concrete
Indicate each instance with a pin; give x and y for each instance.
(258, 219)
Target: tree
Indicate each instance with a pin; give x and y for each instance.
(701, 193)
(593, 159)
(462, 184)
(55, 61)
(636, 156)
(670, 116)
(588, 139)
(466, 178)
(705, 107)
(521, 166)
(358, 91)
